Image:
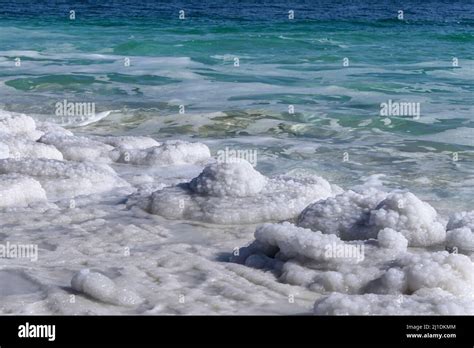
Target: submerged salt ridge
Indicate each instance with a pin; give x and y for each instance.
(361, 251)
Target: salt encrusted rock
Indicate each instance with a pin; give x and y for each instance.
(234, 193)
(237, 179)
(320, 262)
(168, 153)
(361, 216)
(292, 241)
(65, 179)
(345, 215)
(101, 288)
(17, 190)
(433, 302)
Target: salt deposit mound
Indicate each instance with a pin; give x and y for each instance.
(77, 148)
(16, 147)
(384, 266)
(229, 179)
(18, 136)
(361, 216)
(101, 288)
(21, 136)
(19, 125)
(235, 193)
(65, 179)
(17, 190)
(346, 215)
(125, 149)
(407, 214)
(126, 142)
(320, 262)
(168, 153)
(460, 233)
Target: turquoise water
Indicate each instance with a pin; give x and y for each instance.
(336, 128)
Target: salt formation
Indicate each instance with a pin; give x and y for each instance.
(168, 153)
(361, 216)
(14, 147)
(451, 272)
(312, 259)
(228, 179)
(415, 219)
(18, 135)
(17, 190)
(65, 179)
(129, 150)
(356, 244)
(235, 193)
(101, 288)
(391, 239)
(346, 215)
(77, 148)
(67, 165)
(19, 125)
(460, 233)
(126, 142)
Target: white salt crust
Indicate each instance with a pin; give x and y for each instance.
(14, 147)
(235, 193)
(18, 190)
(384, 266)
(360, 216)
(101, 288)
(65, 179)
(19, 125)
(165, 154)
(460, 233)
(77, 148)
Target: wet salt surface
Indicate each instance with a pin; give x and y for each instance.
(131, 225)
